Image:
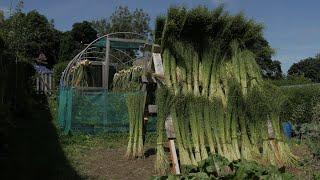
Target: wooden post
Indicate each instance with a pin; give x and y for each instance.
(41, 83)
(173, 151)
(37, 84)
(45, 83)
(105, 66)
(171, 136)
(50, 81)
(157, 60)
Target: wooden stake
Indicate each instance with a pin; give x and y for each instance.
(173, 151)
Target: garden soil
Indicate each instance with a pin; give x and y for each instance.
(111, 164)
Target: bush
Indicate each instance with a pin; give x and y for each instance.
(310, 132)
(57, 72)
(53, 105)
(291, 80)
(316, 110)
(302, 104)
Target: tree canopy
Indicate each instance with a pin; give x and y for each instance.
(309, 68)
(124, 20)
(31, 34)
(72, 42)
(1, 17)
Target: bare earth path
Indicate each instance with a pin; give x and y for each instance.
(111, 164)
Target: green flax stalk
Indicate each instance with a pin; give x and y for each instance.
(163, 101)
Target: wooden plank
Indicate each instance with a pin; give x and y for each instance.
(45, 82)
(174, 156)
(169, 128)
(144, 79)
(158, 67)
(38, 87)
(152, 108)
(270, 130)
(50, 82)
(41, 83)
(171, 136)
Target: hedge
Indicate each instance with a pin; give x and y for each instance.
(57, 72)
(302, 104)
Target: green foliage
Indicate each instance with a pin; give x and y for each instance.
(291, 80)
(124, 20)
(309, 68)
(77, 143)
(57, 72)
(160, 22)
(316, 175)
(310, 133)
(83, 32)
(252, 170)
(102, 26)
(300, 103)
(316, 110)
(68, 47)
(1, 17)
(72, 42)
(217, 167)
(2, 45)
(53, 106)
(30, 34)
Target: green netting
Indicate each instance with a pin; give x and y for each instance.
(94, 111)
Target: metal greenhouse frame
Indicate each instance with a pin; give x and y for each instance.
(100, 52)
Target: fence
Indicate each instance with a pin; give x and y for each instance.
(44, 83)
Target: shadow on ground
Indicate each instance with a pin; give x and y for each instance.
(30, 146)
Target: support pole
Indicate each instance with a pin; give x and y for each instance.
(174, 156)
(38, 87)
(50, 82)
(105, 66)
(173, 152)
(45, 83)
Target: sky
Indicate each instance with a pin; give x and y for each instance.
(292, 27)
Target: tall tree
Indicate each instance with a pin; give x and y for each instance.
(270, 68)
(124, 20)
(72, 42)
(1, 17)
(102, 26)
(31, 34)
(309, 68)
(83, 32)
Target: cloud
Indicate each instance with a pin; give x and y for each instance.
(221, 1)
